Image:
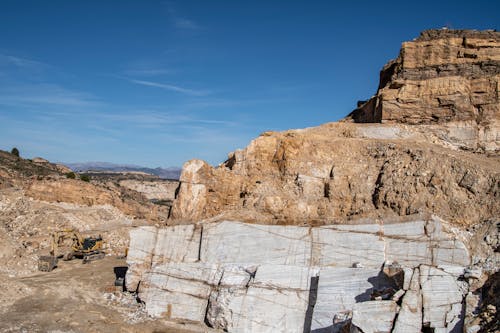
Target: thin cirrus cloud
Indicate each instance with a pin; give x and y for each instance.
(171, 87)
(46, 94)
(146, 118)
(19, 62)
(148, 72)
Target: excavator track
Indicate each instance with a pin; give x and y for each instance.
(93, 256)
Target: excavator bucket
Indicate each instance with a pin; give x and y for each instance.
(47, 263)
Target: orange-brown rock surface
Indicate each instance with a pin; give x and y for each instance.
(434, 149)
(446, 77)
(319, 175)
(83, 193)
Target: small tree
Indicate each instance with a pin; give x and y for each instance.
(85, 178)
(70, 175)
(15, 151)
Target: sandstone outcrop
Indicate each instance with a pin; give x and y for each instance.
(83, 193)
(445, 77)
(249, 277)
(437, 102)
(319, 176)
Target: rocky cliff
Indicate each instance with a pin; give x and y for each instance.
(339, 171)
(445, 77)
(438, 100)
(387, 221)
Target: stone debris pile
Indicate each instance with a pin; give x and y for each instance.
(380, 277)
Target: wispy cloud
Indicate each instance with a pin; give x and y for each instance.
(152, 118)
(148, 72)
(45, 94)
(171, 87)
(10, 60)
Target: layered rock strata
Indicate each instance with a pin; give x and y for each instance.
(246, 277)
(446, 77)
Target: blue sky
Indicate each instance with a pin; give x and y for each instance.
(157, 83)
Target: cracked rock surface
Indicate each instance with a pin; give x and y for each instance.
(244, 277)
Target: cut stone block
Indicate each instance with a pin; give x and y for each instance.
(442, 299)
(343, 249)
(235, 242)
(178, 243)
(179, 291)
(284, 277)
(450, 252)
(339, 289)
(408, 253)
(265, 310)
(414, 230)
(374, 316)
(275, 301)
(140, 254)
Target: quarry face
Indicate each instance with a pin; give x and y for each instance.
(377, 223)
(386, 221)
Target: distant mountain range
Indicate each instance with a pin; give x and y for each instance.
(165, 173)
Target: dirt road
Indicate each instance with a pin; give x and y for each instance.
(76, 298)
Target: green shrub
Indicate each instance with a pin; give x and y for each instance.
(15, 151)
(70, 175)
(85, 178)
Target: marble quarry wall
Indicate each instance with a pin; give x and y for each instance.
(398, 276)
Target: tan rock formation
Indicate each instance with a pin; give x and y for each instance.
(449, 77)
(441, 95)
(319, 175)
(83, 193)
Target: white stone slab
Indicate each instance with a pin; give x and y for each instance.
(179, 291)
(338, 290)
(235, 242)
(409, 253)
(343, 249)
(408, 230)
(174, 305)
(440, 293)
(407, 276)
(450, 252)
(237, 275)
(374, 316)
(263, 310)
(140, 254)
(178, 243)
(284, 277)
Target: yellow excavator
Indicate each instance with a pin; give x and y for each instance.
(89, 249)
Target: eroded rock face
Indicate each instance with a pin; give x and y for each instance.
(450, 77)
(440, 95)
(246, 277)
(83, 193)
(158, 190)
(318, 175)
